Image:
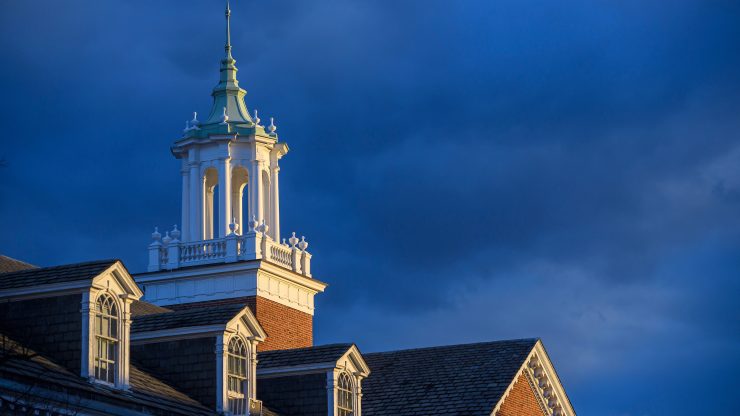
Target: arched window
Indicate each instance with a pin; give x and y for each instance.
(210, 206)
(106, 339)
(345, 396)
(237, 374)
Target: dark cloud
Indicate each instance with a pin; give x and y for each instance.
(463, 171)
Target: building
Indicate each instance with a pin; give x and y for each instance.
(222, 320)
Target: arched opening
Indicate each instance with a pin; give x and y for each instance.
(345, 396)
(106, 339)
(210, 184)
(266, 202)
(239, 197)
(237, 377)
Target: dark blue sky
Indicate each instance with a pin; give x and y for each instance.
(463, 170)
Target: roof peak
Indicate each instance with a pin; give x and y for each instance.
(533, 341)
(228, 98)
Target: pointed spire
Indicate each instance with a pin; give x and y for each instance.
(227, 94)
(228, 31)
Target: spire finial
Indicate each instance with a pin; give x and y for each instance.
(228, 30)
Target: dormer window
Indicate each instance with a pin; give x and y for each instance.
(237, 377)
(345, 396)
(106, 339)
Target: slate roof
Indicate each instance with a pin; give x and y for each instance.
(9, 264)
(141, 308)
(185, 318)
(56, 274)
(268, 412)
(26, 366)
(301, 356)
(465, 380)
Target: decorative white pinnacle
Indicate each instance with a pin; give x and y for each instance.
(253, 224)
(175, 233)
(272, 127)
(187, 126)
(303, 245)
(225, 118)
(293, 240)
(256, 118)
(195, 121)
(233, 226)
(167, 238)
(263, 227)
(156, 236)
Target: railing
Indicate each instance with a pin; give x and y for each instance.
(169, 253)
(281, 254)
(202, 251)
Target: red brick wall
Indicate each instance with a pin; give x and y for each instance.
(285, 327)
(521, 401)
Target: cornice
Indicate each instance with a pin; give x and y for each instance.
(543, 380)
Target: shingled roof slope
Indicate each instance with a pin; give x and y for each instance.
(301, 356)
(55, 274)
(141, 308)
(26, 366)
(186, 318)
(9, 264)
(466, 379)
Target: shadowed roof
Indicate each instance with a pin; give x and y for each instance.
(55, 274)
(26, 366)
(210, 315)
(301, 356)
(9, 264)
(465, 379)
(140, 308)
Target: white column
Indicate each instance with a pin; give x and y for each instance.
(222, 398)
(358, 394)
(196, 191)
(224, 195)
(255, 191)
(207, 209)
(253, 371)
(331, 393)
(185, 223)
(236, 204)
(125, 344)
(275, 197)
(87, 312)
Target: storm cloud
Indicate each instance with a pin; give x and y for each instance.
(463, 171)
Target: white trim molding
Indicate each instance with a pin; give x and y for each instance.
(234, 280)
(544, 382)
(120, 286)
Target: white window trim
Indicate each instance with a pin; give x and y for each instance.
(332, 390)
(89, 340)
(222, 366)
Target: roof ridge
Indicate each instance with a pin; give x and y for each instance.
(199, 309)
(61, 266)
(313, 347)
(534, 340)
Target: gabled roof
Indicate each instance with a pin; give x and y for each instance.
(186, 318)
(141, 308)
(195, 321)
(55, 274)
(459, 379)
(311, 359)
(22, 365)
(301, 356)
(9, 264)
(68, 278)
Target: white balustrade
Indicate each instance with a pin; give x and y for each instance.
(281, 254)
(168, 253)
